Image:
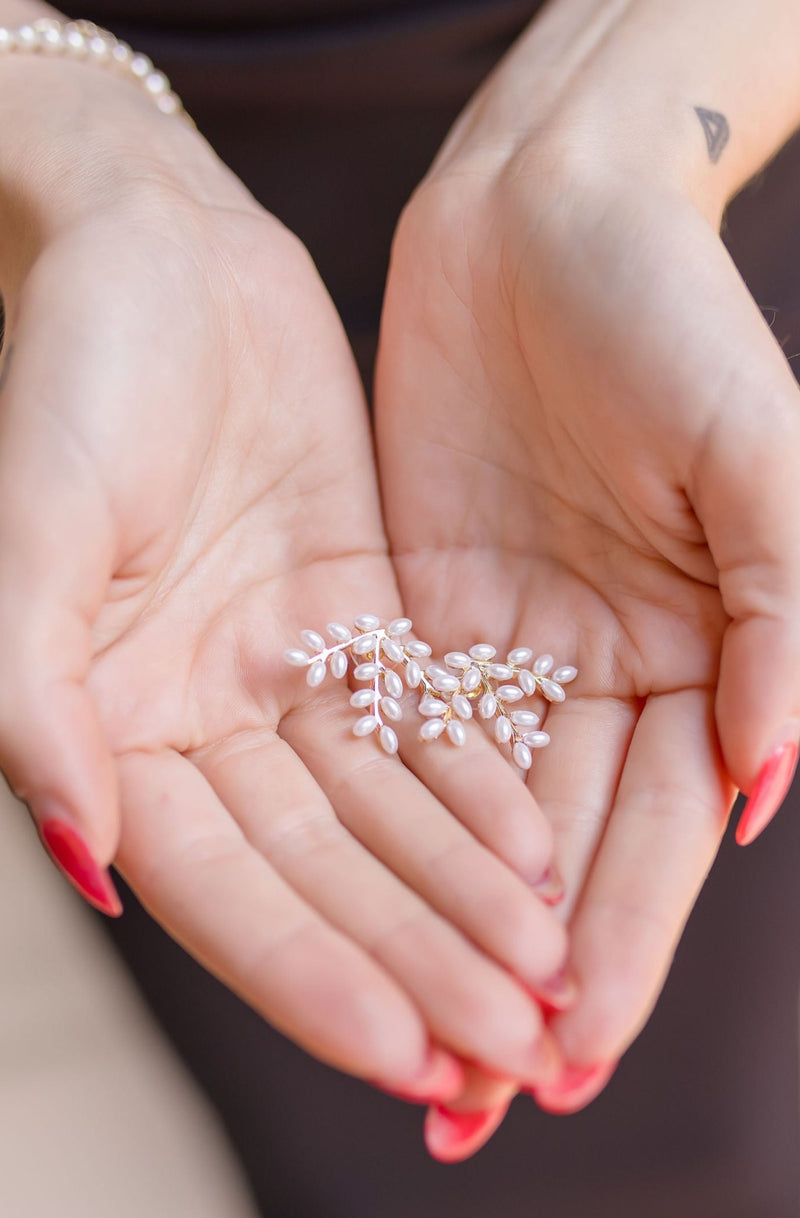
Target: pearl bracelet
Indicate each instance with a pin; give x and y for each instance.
(87, 41)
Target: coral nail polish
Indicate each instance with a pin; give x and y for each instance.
(452, 1136)
(576, 1087)
(772, 784)
(559, 993)
(441, 1079)
(70, 852)
(550, 888)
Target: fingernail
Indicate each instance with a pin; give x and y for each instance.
(559, 993)
(441, 1079)
(772, 784)
(550, 888)
(70, 852)
(575, 1087)
(452, 1136)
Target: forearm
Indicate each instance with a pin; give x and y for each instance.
(630, 77)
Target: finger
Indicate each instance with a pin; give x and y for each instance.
(56, 553)
(193, 869)
(746, 492)
(483, 790)
(403, 824)
(575, 780)
(668, 819)
(468, 1003)
(457, 1129)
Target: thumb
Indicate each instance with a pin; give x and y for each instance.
(747, 496)
(56, 556)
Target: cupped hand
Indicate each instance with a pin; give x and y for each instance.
(588, 445)
(186, 479)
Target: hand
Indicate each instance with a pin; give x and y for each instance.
(587, 440)
(186, 478)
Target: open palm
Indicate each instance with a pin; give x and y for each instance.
(182, 396)
(575, 457)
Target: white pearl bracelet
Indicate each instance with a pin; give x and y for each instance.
(83, 40)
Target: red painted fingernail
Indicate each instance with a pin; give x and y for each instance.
(768, 794)
(559, 993)
(442, 1078)
(576, 1087)
(452, 1136)
(550, 888)
(68, 849)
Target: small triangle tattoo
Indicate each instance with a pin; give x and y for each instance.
(716, 130)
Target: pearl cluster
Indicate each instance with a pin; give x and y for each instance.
(87, 41)
(451, 693)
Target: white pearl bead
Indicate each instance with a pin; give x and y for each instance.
(483, 651)
(156, 83)
(551, 691)
(50, 41)
(565, 674)
(542, 665)
(417, 648)
(431, 730)
(462, 706)
(6, 39)
(471, 680)
(366, 672)
(295, 656)
(27, 38)
(388, 740)
(510, 693)
(364, 644)
(367, 621)
(391, 709)
(520, 655)
(522, 756)
(457, 659)
(362, 698)
(168, 103)
(431, 706)
(503, 730)
(399, 626)
(312, 639)
(446, 684)
(487, 706)
(99, 49)
(393, 651)
(457, 732)
(338, 664)
(524, 718)
(316, 673)
(365, 725)
(74, 43)
(527, 681)
(338, 632)
(500, 672)
(436, 670)
(141, 66)
(394, 686)
(413, 674)
(536, 740)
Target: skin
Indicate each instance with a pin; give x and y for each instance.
(549, 471)
(183, 399)
(599, 427)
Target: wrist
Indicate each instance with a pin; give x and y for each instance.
(647, 88)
